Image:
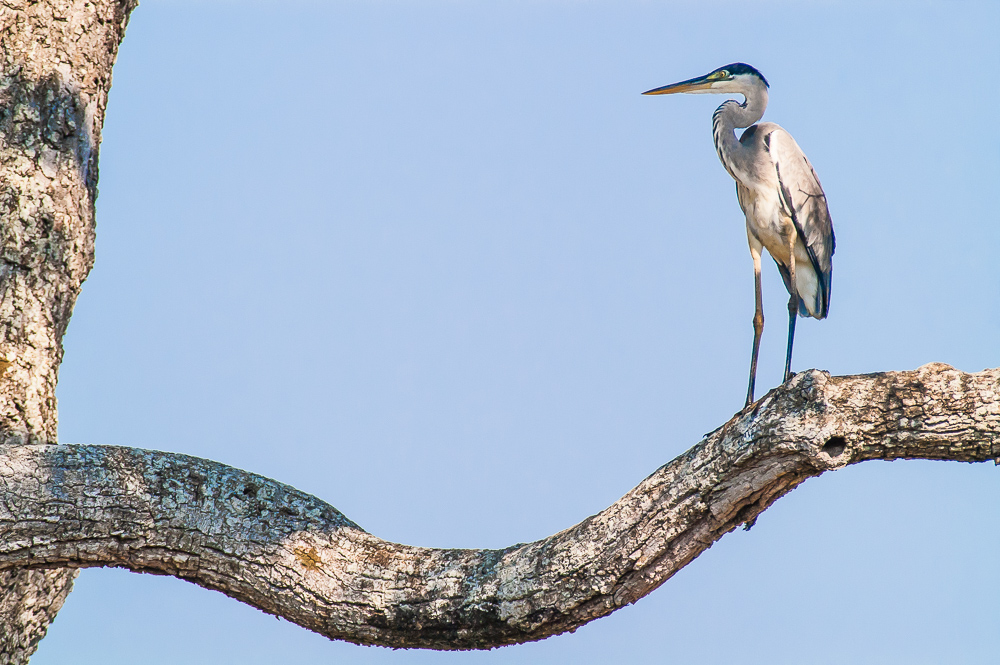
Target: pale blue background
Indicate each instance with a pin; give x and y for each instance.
(441, 265)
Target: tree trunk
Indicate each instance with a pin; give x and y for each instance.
(31, 599)
(56, 58)
(64, 507)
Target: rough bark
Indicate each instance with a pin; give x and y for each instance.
(293, 555)
(33, 597)
(264, 543)
(55, 73)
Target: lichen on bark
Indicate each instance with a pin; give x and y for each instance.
(261, 542)
(55, 73)
(291, 554)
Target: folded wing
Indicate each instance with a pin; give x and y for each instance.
(803, 200)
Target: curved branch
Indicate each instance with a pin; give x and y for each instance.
(290, 554)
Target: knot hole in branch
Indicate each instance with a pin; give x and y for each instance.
(835, 447)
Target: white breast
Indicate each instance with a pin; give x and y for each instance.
(774, 229)
(765, 220)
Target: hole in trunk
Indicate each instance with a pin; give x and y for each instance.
(836, 446)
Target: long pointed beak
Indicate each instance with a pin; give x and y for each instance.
(700, 83)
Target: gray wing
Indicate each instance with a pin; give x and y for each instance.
(803, 200)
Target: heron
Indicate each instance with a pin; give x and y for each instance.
(781, 197)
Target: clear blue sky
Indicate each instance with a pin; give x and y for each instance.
(441, 265)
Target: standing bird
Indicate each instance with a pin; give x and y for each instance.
(779, 192)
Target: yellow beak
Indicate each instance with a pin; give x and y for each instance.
(700, 83)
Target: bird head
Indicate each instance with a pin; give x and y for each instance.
(731, 79)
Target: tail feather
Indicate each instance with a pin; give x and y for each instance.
(814, 291)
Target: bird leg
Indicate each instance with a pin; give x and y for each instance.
(793, 308)
(793, 304)
(758, 322)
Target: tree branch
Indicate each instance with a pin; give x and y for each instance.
(290, 554)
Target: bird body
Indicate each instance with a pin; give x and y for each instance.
(781, 197)
(770, 222)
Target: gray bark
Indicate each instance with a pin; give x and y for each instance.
(293, 555)
(64, 507)
(55, 73)
(31, 598)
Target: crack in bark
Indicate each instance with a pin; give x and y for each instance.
(264, 543)
(290, 554)
(55, 73)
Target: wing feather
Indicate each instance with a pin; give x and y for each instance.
(804, 201)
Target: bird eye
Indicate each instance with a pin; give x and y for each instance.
(724, 74)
